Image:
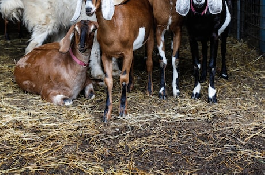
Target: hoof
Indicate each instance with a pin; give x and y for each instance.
(176, 94)
(224, 76)
(162, 96)
(91, 95)
(212, 100)
(195, 96)
(67, 101)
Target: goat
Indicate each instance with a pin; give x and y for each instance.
(119, 34)
(166, 18)
(52, 19)
(206, 20)
(57, 71)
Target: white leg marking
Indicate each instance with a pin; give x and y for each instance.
(197, 89)
(140, 39)
(211, 92)
(175, 76)
(160, 48)
(58, 100)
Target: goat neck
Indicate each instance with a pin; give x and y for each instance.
(80, 58)
(202, 10)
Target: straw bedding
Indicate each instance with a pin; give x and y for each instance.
(157, 137)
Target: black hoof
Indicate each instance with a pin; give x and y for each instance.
(162, 96)
(212, 100)
(224, 76)
(67, 101)
(105, 120)
(91, 95)
(195, 96)
(122, 113)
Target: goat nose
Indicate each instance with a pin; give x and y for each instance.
(89, 11)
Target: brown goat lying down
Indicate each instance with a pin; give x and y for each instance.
(58, 71)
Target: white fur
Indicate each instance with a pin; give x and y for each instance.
(140, 39)
(108, 8)
(58, 100)
(160, 48)
(211, 92)
(227, 20)
(197, 89)
(175, 76)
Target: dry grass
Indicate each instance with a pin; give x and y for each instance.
(157, 137)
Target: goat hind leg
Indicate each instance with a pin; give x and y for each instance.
(224, 74)
(175, 62)
(204, 61)
(37, 38)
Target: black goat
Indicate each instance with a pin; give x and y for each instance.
(206, 20)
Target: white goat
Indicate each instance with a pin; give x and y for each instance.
(51, 18)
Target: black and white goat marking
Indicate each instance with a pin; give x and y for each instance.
(206, 21)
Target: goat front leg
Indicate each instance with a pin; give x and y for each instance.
(160, 37)
(124, 81)
(195, 57)
(212, 69)
(37, 38)
(89, 90)
(55, 95)
(204, 61)
(175, 61)
(107, 64)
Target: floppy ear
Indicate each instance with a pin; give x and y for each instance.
(66, 41)
(183, 7)
(107, 7)
(77, 10)
(215, 6)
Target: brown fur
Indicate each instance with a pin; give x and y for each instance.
(164, 10)
(116, 38)
(50, 72)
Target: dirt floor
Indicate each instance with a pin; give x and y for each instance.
(177, 135)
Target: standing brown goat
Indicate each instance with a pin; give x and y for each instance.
(122, 29)
(58, 71)
(166, 18)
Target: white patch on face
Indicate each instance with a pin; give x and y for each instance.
(211, 92)
(160, 48)
(227, 21)
(175, 76)
(197, 89)
(90, 5)
(140, 39)
(198, 2)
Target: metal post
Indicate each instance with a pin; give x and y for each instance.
(238, 20)
(262, 26)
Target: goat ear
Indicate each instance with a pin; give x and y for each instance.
(66, 41)
(215, 6)
(183, 7)
(107, 7)
(77, 10)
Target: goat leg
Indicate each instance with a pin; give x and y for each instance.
(223, 53)
(107, 64)
(204, 61)
(195, 57)
(212, 69)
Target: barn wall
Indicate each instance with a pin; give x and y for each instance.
(248, 22)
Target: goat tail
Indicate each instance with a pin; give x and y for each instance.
(12, 9)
